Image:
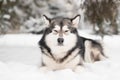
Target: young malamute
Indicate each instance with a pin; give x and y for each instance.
(62, 47)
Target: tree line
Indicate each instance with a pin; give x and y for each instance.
(15, 13)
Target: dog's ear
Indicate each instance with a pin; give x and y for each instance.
(46, 20)
(75, 21)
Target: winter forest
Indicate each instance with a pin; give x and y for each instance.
(22, 24)
(21, 16)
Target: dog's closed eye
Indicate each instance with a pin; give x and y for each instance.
(66, 31)
(56, 31)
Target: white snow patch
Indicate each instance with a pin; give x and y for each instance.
(6, 16)
(19, 40)
(20, 59)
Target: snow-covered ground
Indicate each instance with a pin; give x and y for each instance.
(20, 60)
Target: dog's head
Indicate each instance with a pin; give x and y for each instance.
(61, 31)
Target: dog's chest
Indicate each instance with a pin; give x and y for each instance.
(70, 62)
(59, 52)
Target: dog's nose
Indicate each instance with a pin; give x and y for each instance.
(60, 40)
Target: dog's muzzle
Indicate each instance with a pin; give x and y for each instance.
(60, 40)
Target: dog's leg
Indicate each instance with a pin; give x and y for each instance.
(45, 69)
(102, 57)
(97, 55)
(79, 69)
(88, 52)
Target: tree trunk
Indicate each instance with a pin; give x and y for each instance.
(114, 27)
(101, 30)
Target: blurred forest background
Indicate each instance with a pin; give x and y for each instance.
(25, 16)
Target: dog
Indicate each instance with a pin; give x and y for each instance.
(62, 47)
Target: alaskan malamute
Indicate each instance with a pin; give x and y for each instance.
(62, 47)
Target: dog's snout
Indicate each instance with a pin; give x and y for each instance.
(60, 40)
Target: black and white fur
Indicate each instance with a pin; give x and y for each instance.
(62, 47)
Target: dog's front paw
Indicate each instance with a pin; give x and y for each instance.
(44, 69)
(79, 69)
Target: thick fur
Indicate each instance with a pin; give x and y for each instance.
(74, 50)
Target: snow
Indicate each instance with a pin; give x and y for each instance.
(20, 59)
(33, 24)
(6, 16)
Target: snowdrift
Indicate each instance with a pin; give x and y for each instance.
(20, 60)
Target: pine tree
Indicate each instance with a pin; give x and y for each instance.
(98, 11)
